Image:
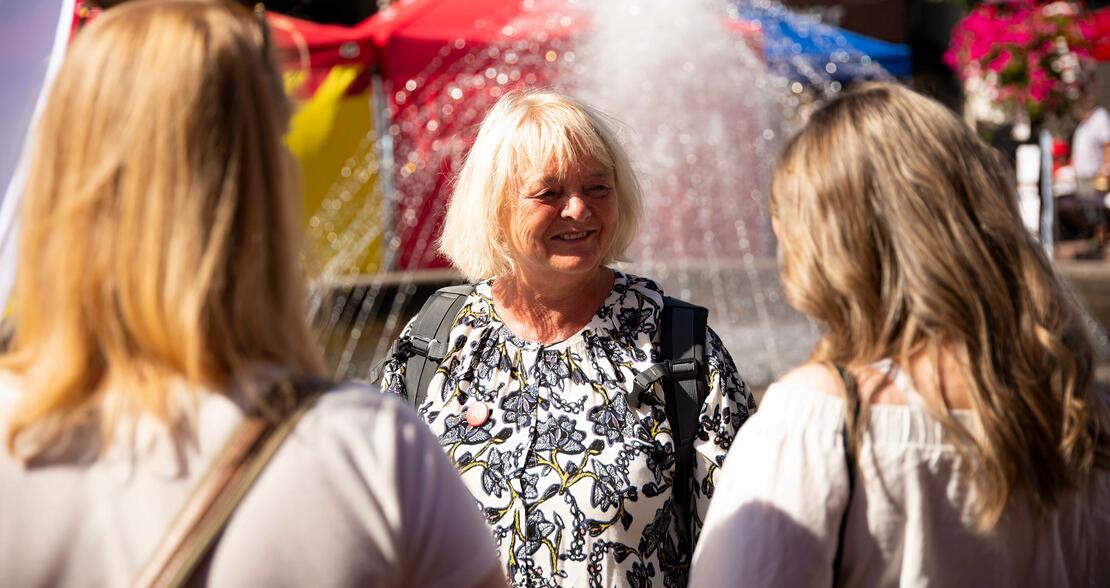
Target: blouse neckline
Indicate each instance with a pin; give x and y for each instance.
(598, 321)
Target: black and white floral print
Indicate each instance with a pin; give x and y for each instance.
(575, 483)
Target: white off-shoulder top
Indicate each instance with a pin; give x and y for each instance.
(776, 515)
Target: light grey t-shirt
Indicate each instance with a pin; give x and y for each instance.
(359, 494)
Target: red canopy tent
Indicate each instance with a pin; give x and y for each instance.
(430, 69)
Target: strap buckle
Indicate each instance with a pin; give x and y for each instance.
(427, 347)
(679, 370)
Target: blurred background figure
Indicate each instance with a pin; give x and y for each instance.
(160, 303)
(946, 429)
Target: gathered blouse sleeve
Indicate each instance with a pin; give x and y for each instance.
(782, 492)
(392, 378)
(727, 406)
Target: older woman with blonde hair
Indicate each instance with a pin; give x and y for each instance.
(161, 356)
(586, 413)
(946, 430)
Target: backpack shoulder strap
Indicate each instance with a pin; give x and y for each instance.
(193, 533)
(682, 339)
(429, 338)
(684, 374)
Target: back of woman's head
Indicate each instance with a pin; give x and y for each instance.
(159, 230)
(900, 234)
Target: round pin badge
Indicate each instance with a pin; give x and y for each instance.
(477, 414)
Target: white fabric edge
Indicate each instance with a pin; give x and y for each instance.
(13, 194)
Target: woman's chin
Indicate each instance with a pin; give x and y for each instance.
(574, 264)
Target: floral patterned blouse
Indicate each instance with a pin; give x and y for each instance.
(574, 481)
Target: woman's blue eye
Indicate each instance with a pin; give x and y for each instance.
(599, 188)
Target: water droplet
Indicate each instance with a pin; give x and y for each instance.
(432, 126)
(551, 56)
(491, 73)
(768, 134)
(349, 50)
(455, 93)
(502, 79)
(410, 85)
(830, 68)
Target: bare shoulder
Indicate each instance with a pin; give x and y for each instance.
(811, 376)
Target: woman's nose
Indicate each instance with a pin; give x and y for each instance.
(575, 206)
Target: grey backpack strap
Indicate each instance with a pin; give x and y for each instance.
(684, 372)
(429, 339)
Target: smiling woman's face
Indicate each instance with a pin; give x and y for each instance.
(562, 225)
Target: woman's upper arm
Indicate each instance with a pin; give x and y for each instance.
(777, 507)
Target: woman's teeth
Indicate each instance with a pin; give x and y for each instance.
(572, 236)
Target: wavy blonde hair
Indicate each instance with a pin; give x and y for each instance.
(527, 131)
(159, 239)
(900, 233)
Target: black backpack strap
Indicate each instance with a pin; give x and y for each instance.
(429, 338)
(684, 372)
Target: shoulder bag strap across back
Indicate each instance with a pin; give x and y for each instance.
(206, 512)
(851, 420)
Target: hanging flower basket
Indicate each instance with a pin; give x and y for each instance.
(1021, 60)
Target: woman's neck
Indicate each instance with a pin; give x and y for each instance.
(550, 310)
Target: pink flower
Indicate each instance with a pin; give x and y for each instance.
(1003, 59)
(1040, 84)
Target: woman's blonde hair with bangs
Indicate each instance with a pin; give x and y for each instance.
(527, 131)
(900, 234)
(159, 233)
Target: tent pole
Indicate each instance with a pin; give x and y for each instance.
(386, 167)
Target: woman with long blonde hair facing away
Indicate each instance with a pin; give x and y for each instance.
(159, 313)
(946, 430)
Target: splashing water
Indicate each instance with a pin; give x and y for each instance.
(702, 116)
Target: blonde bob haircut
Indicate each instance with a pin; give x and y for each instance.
(900, 234)
(159, 238)
(526, 132)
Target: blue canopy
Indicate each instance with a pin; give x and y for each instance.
(803, 48)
